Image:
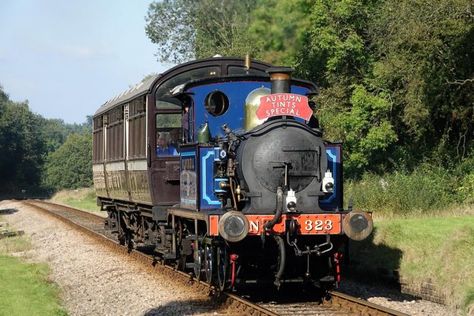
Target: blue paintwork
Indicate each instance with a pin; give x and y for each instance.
(188, 191)
(236, 92)
(208, 199)
(333, 201)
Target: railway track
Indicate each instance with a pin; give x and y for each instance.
(93, 225)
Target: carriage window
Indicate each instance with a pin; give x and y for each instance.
(168, 131)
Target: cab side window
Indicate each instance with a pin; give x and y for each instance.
(187, 122)
(168, 131)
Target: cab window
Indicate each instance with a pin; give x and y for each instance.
(168, 131)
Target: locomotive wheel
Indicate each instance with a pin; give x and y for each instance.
(198, 261)
(130, 243)
(209, 263)
(121, 238)
(222, 267)
(181, 261)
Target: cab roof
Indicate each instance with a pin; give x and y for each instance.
(152, 82)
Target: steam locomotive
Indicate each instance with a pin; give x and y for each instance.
(220, 166)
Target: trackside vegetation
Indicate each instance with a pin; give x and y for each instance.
(24, 287)
(70, 166)
(83, 198)
(434, 249)
(427, 190)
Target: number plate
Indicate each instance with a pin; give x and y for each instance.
(308, 224)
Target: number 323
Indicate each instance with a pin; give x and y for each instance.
(318, 225)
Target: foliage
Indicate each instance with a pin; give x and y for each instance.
(25, 141)
(21, 144)
(402, 193)
(55, 131)
(427, 257)
(336, 49)
(187, 29)
(83, 198)
(278, 30)
(367, 129)
(425, 190)
(423, 56)
(416, 57)
(71, 165)
(465, 172)
(170, 26)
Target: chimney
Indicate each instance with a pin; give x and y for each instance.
(280, 78)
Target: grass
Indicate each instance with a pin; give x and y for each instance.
(24, 287)
(438, 250)
(424, 227)
(427, 190)
(83, 198)
(14, 245)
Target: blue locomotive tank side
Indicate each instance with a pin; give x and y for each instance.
(236, 92)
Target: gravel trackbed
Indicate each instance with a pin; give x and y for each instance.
(95, 281)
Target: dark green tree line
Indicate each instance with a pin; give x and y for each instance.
(21, 145)
(26, 140)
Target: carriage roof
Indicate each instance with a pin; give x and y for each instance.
(127, 95)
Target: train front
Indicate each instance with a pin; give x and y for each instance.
(280, 189)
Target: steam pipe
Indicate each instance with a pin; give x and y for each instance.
(281, 267)
(279, 210)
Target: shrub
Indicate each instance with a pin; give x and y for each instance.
(70, 166)
(426, 189)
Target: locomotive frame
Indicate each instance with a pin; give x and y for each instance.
(178, 203)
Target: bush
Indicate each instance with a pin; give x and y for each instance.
(425, 189)
(70, 166)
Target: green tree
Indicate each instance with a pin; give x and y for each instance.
(424, 57)
(337, 55)
(336, 49)
(413, 60)
(26, 139)
(21, 144)
(279, 29)
(54, 132)
(187, 29)
(70, 166)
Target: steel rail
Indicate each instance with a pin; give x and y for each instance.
(360, 306)
(228, 301)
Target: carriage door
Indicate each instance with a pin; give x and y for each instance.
(165, 157)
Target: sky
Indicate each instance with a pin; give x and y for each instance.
(68, 57)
